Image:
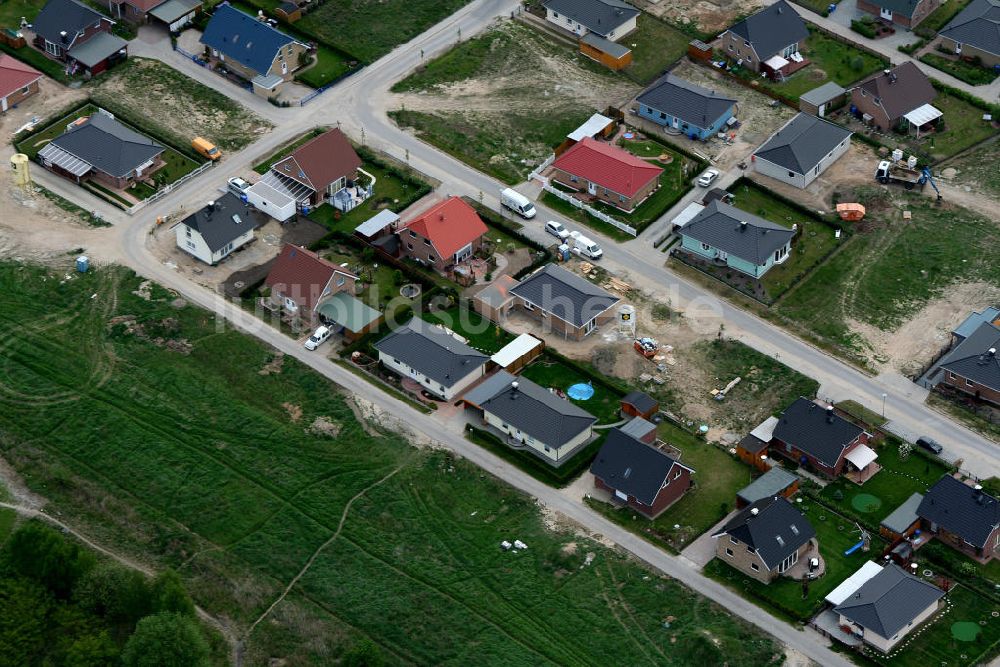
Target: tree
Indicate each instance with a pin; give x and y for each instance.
(167, 639)
(40, 553)
(169, 594)
(858, 64)
(363, 654)
(90, 650)
(24, 606)
(115, 593)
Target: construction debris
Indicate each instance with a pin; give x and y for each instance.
(720, 394)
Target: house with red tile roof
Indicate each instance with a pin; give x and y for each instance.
(17, 81)
(606, 173)
(300, 281)
(443, 236)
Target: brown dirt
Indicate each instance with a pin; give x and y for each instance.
(294, 411)
(709, 16)
(855, 167)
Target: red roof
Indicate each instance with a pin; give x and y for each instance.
(320, 162)
(608, 166)
(450, 226)
(15, 75)
(302, 275)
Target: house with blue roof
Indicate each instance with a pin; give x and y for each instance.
(252, 49)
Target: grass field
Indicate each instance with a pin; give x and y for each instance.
(655, 46)
(940, 17)
(550, 372)
(481, 334)
(329, 65)
(566, 209)
(101, 418)
(973, 75)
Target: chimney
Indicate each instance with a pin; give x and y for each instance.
(743, 225)
(63, 36)
(754, 511)
(514, 386)
(209, 208)
(829, 414)
(992, 352)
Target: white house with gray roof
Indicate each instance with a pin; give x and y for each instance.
(610, 19)
(801, 150)
(433, 357)
(532, 417)
(737, 239)
(218, 229)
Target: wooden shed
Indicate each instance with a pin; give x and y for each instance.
(289, 12)
(610, 54)
(699, 50)
(518, 353)
(639, 404)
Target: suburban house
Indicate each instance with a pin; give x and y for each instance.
(531, 417)
(962, 516)
(75, 34)
(975, 319)
(445, 235)
(882, 605)
(606, 173)
(972, 367)
(823, 99)
(975, 32)
(639, 404)
(18, 81)
(98, 147)
(324, 169)
(809, 433)
(495, 300)
(768, 41)
(133, 11)
(907, 13)
(432, 356)
(801, 150)
(903, 521)
(765, 539)
(688, 109)
(774, 482)
(897, 98)
(609, 19)
(300, 281)
(642, 476)
(563, 301)
(727, 235)
(217, 230)
(252, 49)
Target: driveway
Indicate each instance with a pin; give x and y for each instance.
(702, 550)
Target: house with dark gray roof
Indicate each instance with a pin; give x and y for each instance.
(218, 229)
(975, 32)
(907, 13)
(732, 237)
(887, 607)
(563, 301)
(813, 434)
(435, 358)
(765, 539)
(899, 97)
(972, 368)
(531, 417)
(775, 31)
(801, 150)
(685, 108)
(99, 147)
(640, 475)
(80, 36)
(610, 19)
(963, 516)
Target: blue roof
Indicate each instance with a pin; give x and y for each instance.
(243, 38)
(972, 322)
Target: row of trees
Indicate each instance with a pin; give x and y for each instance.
(60, 606)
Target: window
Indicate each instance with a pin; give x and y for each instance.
(555, 15)
(341, 279)
(685, 127)
(729, 552)
(749, 549)
(573, 179)
(733, 540)
(26, 90)
(663, 115)
(190, 245)
(791, 174)
(970, 383)
(409, 246)
(430, 258)
(706, 247)
(427, 241)
(621, 198)
(755, 567)
(677, 474)
(188, 232)
(730, 47)
(413, 234)
(746, 42)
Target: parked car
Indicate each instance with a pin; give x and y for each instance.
(318, 338)
(930, 444)
(206, 148)
(556, 229)
(584, 247)
(238, 186)
(708, 177)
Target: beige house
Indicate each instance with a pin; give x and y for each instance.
(765, 539)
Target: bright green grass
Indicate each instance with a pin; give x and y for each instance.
(329, 65)
(552, 373)
(655, 46)
(482, 334)
(129, 441)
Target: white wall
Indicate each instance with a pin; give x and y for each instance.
(623, 30)
(446, 393)
(554, 454)
(766, 168)
(195, 244)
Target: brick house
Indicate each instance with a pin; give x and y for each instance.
(639, 475)
(564, 302)
(963, 516)
(906, 13)
(765, 539)
(972, 367)
(18, 81)
(898, 97)
(975, 33)
(810, 433)
(443, 236)
(776, 30)
(606, 173)
(75, 34)
(300, 280)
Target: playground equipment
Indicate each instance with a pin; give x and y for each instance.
(864, 543)
(851, 212)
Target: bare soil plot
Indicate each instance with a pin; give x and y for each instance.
(711, 17)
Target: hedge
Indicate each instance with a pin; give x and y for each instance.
(531, 464)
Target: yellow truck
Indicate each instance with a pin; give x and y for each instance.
(206, 148)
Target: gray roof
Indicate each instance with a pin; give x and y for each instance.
(564, 294)
(902, 90)
(108, 145)
(959, 508)
(69, 15)
(889, 601)
(600, 16)
(822, 94)
(173, 10)
(768, 485)
(802, 143)
(901, 518)
(531, 408)
(975, 320)
(641, 401)
(772, 29)
(776, 532)
(972, 359)
(977, 25)
(613, 49)
(224, 222)
(97, 49)
(638, 427)
(721, 226)
(901, 7)
(816, 431)
(633, 467)
(693, 104)
(432, 351)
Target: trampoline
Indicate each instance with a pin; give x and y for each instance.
(581, 391)
(866, 502)
(628, 135)
(965, 631)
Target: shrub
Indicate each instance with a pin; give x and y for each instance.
(166, 640)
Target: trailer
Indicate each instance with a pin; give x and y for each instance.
(890, 172)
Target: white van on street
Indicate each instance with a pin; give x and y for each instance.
(515, 201)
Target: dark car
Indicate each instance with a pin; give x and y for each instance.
(929, 444)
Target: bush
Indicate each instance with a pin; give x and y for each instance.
(166, 640)
(40, 553)
(864, 27)
(858, 63)
(115, 593)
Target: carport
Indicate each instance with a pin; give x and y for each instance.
(348, 315)
(175, 14)
(272, 199)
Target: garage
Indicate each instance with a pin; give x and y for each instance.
(267, 199)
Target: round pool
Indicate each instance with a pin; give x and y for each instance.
(581, 391)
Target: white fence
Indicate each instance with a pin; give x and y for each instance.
(603, 217)
(537, 173)
(167, 189)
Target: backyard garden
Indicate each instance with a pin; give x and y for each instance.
(552, 372)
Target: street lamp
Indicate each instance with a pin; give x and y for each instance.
(884, 395)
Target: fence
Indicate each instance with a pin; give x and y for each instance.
(537, 173)
(603, 217)
(166, 189)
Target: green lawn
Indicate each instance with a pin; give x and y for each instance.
(549, 372)
(11, 12)
(108, 429)
(34, 142)
(940, 17)
(964, 127)
(378, 287)
(655, 46)
(718, 476)
(329, 65)
(675, 182)
(974, 75)
(482, 334)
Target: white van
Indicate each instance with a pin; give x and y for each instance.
(584, 247)
(556, 229)
(318, 338)
(515, 201)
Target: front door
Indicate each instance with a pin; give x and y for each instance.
(591, 188)
(885, 14)
(822, 110)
